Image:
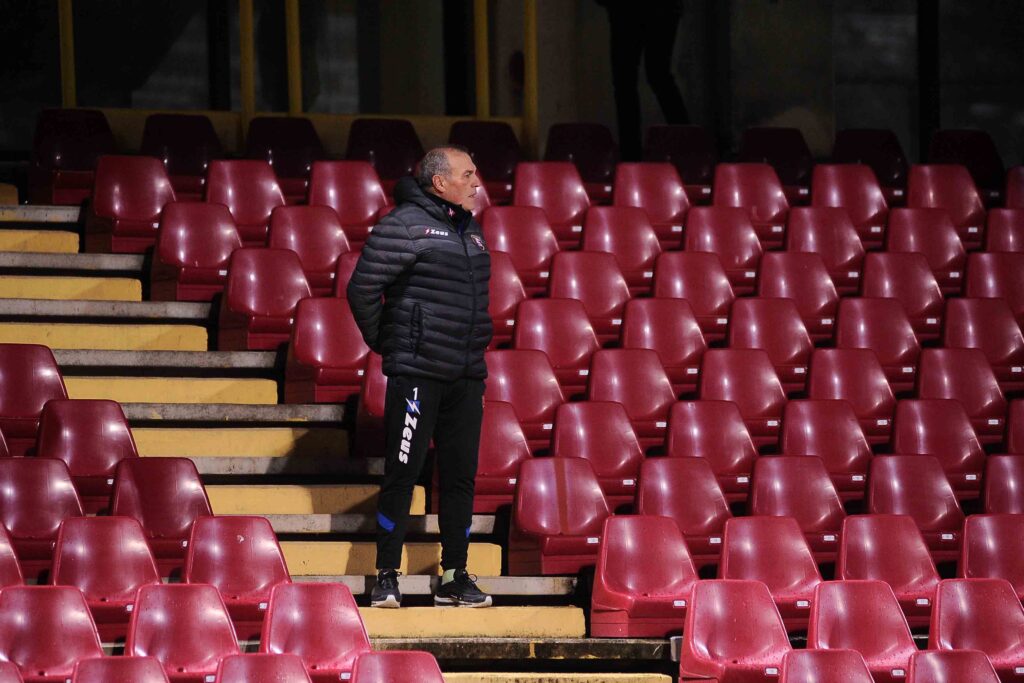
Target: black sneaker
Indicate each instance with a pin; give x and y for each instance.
(386, 593)
(461, 592)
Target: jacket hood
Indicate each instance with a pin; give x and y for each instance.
(408, 191)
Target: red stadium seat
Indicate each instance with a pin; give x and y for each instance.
(107, 558)
(992, 548)
(853, 187)
(354, 191)
(825, 666)
(391, 145)
(881, 325)
(482, 201)
(595, 279)
(29, 377)
(193, 249)
(368, 439)
(495, 151)
(166, 496)
(829, 429)
(941, 427)
(774, 325)
(186, 143)
(718, 645)
(965, 375)
(45, 630)
(890, 548)
(185, 626)
(10, 570)
(755, 187)
(502, 448)
(772, 550)
(320, 623)
(804, 279)
(930, 232)
(915, 485)
(714, 431)
(1015, 428)
(556, 187)
(65, 148)
(856, 376)
(799, 487)
(657, 189)
(863, 616)
(264, 287)
(951, 666)
(524, 378)
(523, 232)
(385, 667)
(669, 327)
(636, 379)
(880, 149)
(591, 147)
(36, 495)
(343, 272)
(124, 214)
(91, 436)
(998, 276)
(686, 491)
(975, 150)
(949, 187)
(326, 355)
(506, 293)
(557, 517)
(626, 233)
(290, 144)
(1004, 230)
(728, 233)
(908, 278)
(250, 191)
(980, 614)
(828, 232)
(1015, 188)
(600, 432)
(746, 377)
(315, 234)
(119, 670)
(262, 668)
(643, 579)
(241, 557)
(1004, 483)
(786, 151)
(691, 149)
(701, 280)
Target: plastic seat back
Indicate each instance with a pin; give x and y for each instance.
(828, 232)
(949, 187)
(353, 190)
(771, 550)
(556, 187)
(626, 233)
(506, 293)
(670, 328)
(523, 232)
(930, 232)
(702, 281)
(855, 188)
(784, 149)
(600, 432)
(941, 427)
(107, 558)
(992, 549)
(825, 666)
(1004, 230)
(975, 150)
(965, 375)
(915, 485)
(829, 429)
(288, 143)
(503, 447)
(908, 278)
(979, 614)
(754, 187)
(951, 666)
(1004, 482)
(326, 340)
(691, 149)
(165, 495)
(881, 325)
(713, 431)
(134, 188)
(119, 670)
(804, 279)
(657, 189)
(29, 377)
(239, 555)
(10, 570)
(251, 192)
(999, 276)
(798, 487)
(878, 148)
(559, 497)
(493, 146)
(595, 279)
(524, 378)
(262, 668)
(775, 326)
(727, 232)
(409, 665)
(315, 234)
(1015, 188)
(186, 143)
(196, 235)
(36, 495)
(747, 378)
(65, 148)
(590, 146)
(856, 376)
(888, 548)
(390, 145)
(265, 282)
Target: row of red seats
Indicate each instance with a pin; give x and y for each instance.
(848, 666)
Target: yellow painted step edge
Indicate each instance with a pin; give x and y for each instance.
(39, 241)
(106, 337)
(174, 389)
(293, 499)
(521, 677)
(454, 622)
(336, 558)
(70, 288)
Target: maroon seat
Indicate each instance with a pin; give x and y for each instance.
(881, 325)
(879, 149)
(556, 187)
(506, 294)
(746, 377)
(714, 431)
(524, 378)
(915, 485)
(45, 630)
(557, 517)
(241, 558)
(1015, 428)
(1004, 482)
(941, 427)
(119, 670)
(320, 623)
(595, 279)
(701, 280)
(773, 550)
(91, 436)
(856, 376)
(828, 232)
(863, 616)
(975, 150)
(250, 190)
(354, 191)
(855, 188)
(890, 548)
(343, 272)
(326, 355)
(368, 439)
(657, 189)
(264, 287)
(523, 232)
(643, 579)
(930, 232)
(775, 326)
(786, 151)
(999, 276)
(262, 668)
(166, 496)
(965, 375)
(600, 432)
(10, 570)
(825, 666)
(988, 325)
(185, 626)
(290, 144)
(992, 548)
(1004, 230)
(193, 248)
(315, 234)
(691, 149)
(627, 234)
(29, 377)
(384, 667)
(908, 278)
(636, 379)
(949, 187)
(503, 447)
(804, 279)
(799, 487)
(495, 151)
(829, 429)
(951, 666)
(686, 491)
(186, 143)
(718, 645)
(755, 187)
(129, 194)
(669, 327)
(1015, 188)
(390, 145)
(728, 233)
(65, 148)
(107, 558)
(591, 147)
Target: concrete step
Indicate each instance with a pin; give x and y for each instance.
(114, 337)
(588, 652)
(178, 363)
(322, 523)
(320, 558)
(121, 312)
(38, 241)
(194, 390)
(304, 466)
(39, 213)
(300, 500)
(226, 414)
(420, 584)
(35, 263)
(455, 622)
(59, 288)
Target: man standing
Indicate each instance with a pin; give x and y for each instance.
(419, 295)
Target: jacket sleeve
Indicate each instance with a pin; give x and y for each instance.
(388, 252)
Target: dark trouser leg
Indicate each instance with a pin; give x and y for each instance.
(457, 438)
(410, 413)
(626, 46)
(660, 37)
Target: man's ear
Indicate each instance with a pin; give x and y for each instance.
(438, 181)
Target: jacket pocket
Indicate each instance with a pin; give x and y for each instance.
(416, 329)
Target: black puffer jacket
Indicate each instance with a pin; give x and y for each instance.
(419, 291)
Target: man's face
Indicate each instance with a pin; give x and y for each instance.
(460, 187)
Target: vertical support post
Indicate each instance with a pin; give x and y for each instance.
(65, 17)
(293, 39)
(530, 89)
(481, 55)
(246, 62)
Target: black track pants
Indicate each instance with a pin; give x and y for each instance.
(415, 410)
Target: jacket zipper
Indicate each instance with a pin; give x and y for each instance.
(472, 311)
